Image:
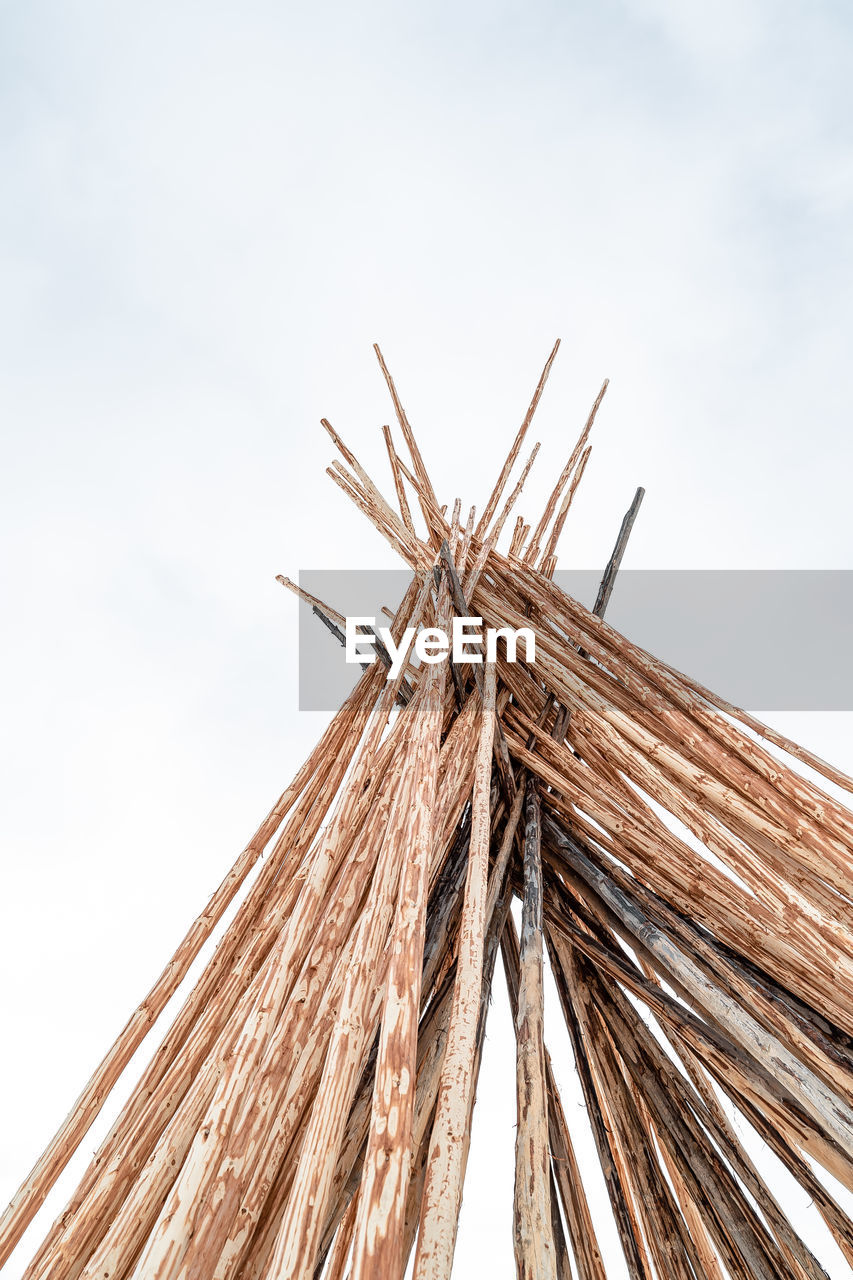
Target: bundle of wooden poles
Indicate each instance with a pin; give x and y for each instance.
(308, 1111)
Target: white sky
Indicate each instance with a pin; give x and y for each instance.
(209, 213)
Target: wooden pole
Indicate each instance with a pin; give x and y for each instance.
(442, 1190)
(535, 1257)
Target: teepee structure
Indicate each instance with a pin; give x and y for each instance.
(686, 883)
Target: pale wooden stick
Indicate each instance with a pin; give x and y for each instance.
(702, 1238)
(502, 860)
(433, 514)
(466, 540)
(442, 1191)
(315, 602)
(408, 435)
(500, 485)
(394, 531)
(517, 534)
(487, 547)
(549, 553)
(379, 1232)
(663, 1228)
(551, 505)
(356, 466)
(405, 509)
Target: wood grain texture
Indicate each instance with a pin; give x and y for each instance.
(535, 1254)
(442, 1194)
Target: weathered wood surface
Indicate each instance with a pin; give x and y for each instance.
(605, 590)
(380, 1222)
(442, 1193)
(535, 1255)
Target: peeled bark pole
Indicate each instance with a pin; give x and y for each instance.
(380, 1223)
(500, 485)
(535, 1256)
(566, 1181)
(442, 1193)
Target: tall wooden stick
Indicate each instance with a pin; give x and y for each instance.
(606, 587)
(442, 1194)
(380, 1223)
(496, 494)
(568, 469)
(535, 1257)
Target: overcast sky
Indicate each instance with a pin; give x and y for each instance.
(209, 213)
